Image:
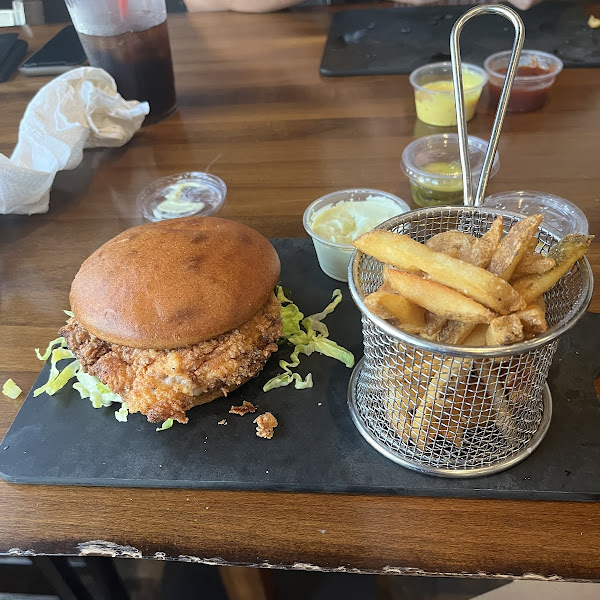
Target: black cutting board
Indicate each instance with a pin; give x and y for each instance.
(63, 440)
(396, 41)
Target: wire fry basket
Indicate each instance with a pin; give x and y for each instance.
(449, 410)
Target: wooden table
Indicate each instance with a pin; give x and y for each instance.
(254, 110)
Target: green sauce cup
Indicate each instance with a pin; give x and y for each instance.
(432, 164)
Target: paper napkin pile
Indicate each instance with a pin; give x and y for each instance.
(80, 109)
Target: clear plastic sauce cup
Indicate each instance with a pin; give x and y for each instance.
(434, 92)
(334, 220)
(432, 164)
(560, 215)
(536, 73)
(182, 195)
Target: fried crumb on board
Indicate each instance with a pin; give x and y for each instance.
(222, 422)
(265, 425)
(246, 407)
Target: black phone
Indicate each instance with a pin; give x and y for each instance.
(12, 51)
(59, 55)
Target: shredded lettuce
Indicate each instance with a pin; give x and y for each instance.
(59, 341)
(58, 379)
(307, 335)
(11, 389)
(91, 387)
(87, 385)
(121, 414)
(166, 425)
(286, 378)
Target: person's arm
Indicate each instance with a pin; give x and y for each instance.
(520, 4)
(250, 6)
(254, 6)
(524, 4)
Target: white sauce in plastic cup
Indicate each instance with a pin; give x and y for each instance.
(336, 216)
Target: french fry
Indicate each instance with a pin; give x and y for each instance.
(430, 420)
(570, 246)
(454, 243)
(496, 388)
(424, 426)
(473, 395)
(455, 332)
(478, 252)
(477, 336)
(533, 319)
(400, 407)
(407, 382)
(481, 251)
(437, 414)
(513, 246)
(532, 245)
(402, 251)
(433, 325)
(539, 301)
(407, 315)
(534, 263)
(429, 365)
(437, 298)
(565, 254)
(506, 329)
(374, 303)
(409, 385)
(518, 378)
(399, 418)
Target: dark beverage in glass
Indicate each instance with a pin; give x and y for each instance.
(130, 40)
(140, 62)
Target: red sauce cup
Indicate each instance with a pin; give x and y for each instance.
(535, 76)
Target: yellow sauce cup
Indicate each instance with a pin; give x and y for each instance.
(434, 92)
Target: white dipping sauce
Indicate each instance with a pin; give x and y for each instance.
(341, 223)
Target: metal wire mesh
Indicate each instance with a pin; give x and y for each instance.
(452, 410)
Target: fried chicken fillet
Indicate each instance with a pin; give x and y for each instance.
(164, 384)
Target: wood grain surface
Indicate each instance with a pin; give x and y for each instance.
(254, 110)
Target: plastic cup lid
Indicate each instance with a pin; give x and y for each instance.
(182, 195)
(559, 214)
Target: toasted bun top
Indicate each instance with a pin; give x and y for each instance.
(174, 283)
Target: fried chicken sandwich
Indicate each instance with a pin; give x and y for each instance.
(174, 314)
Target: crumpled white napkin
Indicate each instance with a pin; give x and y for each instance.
(80, 109)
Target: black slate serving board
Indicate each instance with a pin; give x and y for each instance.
(396, 41)
(63, 440)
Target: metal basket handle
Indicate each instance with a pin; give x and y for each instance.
(459, 97)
